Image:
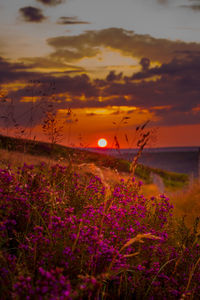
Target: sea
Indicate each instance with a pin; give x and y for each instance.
(175, 159)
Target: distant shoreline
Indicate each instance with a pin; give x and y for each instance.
(158, 149)
(173, 159)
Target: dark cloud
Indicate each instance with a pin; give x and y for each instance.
(128, 43)
(112, 76)
(187, 65)
(175, 117)
(11, 72)
(145, 63)
(20, 114)
(32, 14)
(48, 91)
(177, 87)
(194, 7)
(189, 53)
(51, 2)
(70, 21)
(76, 86)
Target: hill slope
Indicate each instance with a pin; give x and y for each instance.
(62, 154)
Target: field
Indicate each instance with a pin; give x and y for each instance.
(77, 225)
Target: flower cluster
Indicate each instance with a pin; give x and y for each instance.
(64, 237)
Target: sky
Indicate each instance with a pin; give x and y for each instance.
(102, 68)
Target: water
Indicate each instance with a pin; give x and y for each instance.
(176, 159)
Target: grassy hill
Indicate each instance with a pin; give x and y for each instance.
(61, 154)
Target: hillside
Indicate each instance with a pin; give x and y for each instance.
(74, 156)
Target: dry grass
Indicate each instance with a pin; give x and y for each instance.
(15, 158)
(187, 202)
(150, 190)
(108, 176)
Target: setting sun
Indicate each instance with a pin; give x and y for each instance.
(102, 142)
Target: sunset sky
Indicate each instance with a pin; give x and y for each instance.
(104, 67)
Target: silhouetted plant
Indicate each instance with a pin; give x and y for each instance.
(143, 137)
(118, 125)
(70, 119)
(52, 128)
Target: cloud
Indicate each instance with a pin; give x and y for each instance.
(11, 71)
(163, 1)
(176, 86)
(49, 92)
(128, 43)
(169, 90)
(194, 7)
(32, 14)
(49, 63)
(76, 86)
(112, 76)
(70, 21)
(188, 62)
(171, 100)
(51, 2)
(145, 63)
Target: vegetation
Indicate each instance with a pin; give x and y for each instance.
(62, 153)
(52, 129)
(187, 203)
(64, 236)
(171, 180)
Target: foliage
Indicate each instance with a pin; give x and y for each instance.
(64, 236)
(170, 179)
(144, 173)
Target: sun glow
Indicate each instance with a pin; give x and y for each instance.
(102, 143)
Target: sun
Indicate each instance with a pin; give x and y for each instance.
(102, 142)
